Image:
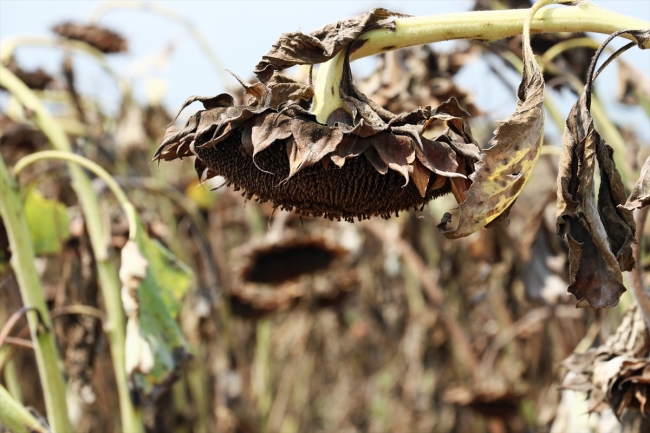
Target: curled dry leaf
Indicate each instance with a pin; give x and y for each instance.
(640, 196)
(506, 166)
(357, 165)
(104, 40)
(616, 374)
(599, 233)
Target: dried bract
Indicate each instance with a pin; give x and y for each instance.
(101, 38)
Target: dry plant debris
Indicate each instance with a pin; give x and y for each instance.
(616, 374)
(104, 40)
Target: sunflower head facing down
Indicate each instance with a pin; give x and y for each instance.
(364, 161)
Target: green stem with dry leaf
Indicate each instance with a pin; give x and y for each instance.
(107, 272)
(484, 26)
(31, 292)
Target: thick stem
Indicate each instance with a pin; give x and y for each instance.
(16, 417)
(22, 262)
(107, 272)
(493, 25)
(484, 26)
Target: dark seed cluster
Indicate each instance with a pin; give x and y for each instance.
(357, 190)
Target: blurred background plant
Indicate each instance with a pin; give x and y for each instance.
(297, 324)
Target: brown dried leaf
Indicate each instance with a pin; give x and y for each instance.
(506, 166)
(285, 89)
(437, 156)
(640, 196)
(297, 48)
(599, 235)
(616, 373)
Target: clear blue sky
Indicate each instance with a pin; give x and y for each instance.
(240, 33)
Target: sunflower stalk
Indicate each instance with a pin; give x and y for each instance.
(107, 272)
(22, 261)
(483, 25)
(16, 417)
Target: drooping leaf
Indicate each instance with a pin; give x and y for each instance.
(599, 233)
(507, 164)
(350, 147)
(47, 221)
(616, 374)
(153, 283)
(633, 86)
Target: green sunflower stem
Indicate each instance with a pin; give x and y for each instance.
(31, 292)
(16, 417)
(106, 269)
(483, 25)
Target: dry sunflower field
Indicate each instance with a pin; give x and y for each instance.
(332, 254)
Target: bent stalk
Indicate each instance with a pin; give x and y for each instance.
(484, 26)
(31, 292)
(107, 272)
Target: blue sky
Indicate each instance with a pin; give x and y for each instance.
(240, 33)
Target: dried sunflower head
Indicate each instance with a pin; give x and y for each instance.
(36, 80)
(104, 40)
(365, 161)
(275, 275)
